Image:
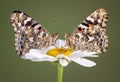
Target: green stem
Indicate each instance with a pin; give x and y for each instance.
(60, 72)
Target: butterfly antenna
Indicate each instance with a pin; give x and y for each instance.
(54, 24)
(60, 24)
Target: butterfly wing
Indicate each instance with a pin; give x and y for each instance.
(91, 33)
(29, 34)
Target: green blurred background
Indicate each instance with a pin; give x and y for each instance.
(59, 16)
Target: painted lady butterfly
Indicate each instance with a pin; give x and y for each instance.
(89, 36)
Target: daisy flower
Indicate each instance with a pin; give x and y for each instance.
(62, 54)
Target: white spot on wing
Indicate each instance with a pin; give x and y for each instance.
(99, 20)
(28, 19)
(23, 27)
(41, 34)
(19, 24)
(13, 24)
(15, 29)
(21, 15)
(36, 30)
(31, 39)
(91, 38)
(37, 26)
(91, 19)
(80, 35)
(82, 26)
(103, 24)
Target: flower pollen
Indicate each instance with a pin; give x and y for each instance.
(56, 51)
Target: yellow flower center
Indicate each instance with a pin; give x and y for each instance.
(56, 51)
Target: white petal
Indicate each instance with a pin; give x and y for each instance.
(84, 62)
(63, 62)
(88, 54)
(79, 53)
(35, 51)
(60, 43)
(44, 58)
(36, 55)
